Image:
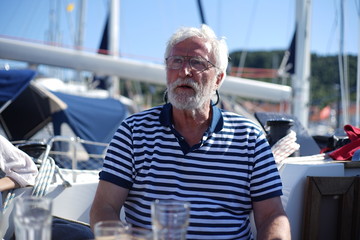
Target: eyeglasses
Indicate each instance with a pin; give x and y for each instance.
(196, 63)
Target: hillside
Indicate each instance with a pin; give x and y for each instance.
(324, 82)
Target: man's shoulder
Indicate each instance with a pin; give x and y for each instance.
(151, 113)
(235, 118)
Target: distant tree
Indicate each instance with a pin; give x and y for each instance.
(324, 82)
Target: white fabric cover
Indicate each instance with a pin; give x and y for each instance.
(16, 164)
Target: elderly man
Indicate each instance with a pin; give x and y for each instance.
(188, 149)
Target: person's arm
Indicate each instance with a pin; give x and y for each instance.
(7, 183)
(271, 220)
(109, 198)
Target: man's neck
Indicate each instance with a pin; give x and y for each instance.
(192, 124)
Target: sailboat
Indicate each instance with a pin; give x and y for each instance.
(304, 177)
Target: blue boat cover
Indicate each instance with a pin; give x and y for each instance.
(13, 82)
(93, 119)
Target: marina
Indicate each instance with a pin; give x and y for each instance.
(66, 128)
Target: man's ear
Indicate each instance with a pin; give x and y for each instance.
(219, 78)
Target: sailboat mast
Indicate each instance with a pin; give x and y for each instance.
(300, 83)
(343, 71)
(114, 40)
(79, 40)
(79, 37)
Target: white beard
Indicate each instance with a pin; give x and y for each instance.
(189, 101)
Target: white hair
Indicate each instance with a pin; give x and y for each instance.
(218, 46)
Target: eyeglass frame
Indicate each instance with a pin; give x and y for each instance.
(188, 60)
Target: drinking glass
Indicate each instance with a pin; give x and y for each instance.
(32, 218)
(111, 230)
(138, 234)
(170, 219)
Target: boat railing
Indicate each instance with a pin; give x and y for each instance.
(70, 153)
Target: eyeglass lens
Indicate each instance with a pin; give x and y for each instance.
(196, 63)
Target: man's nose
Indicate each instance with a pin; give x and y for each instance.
(185, 69)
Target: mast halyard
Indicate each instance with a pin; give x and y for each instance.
(357, 115)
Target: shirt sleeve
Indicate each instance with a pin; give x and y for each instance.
(118, 167)
(16, 164)
(265, 180)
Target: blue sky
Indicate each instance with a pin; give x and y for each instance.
(145, 25)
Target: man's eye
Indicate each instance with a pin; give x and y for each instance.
(198, 62)
(177, 61)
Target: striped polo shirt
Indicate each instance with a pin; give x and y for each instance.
(220, 176)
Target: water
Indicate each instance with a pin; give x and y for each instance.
(170, 234)
(170, 219)
(35, 224)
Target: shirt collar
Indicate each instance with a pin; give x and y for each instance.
(216, 125)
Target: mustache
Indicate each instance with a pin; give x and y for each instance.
(188, 82)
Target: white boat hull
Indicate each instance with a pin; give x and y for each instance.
(74, 202)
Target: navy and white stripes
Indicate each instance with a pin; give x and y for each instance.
(229, 169)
